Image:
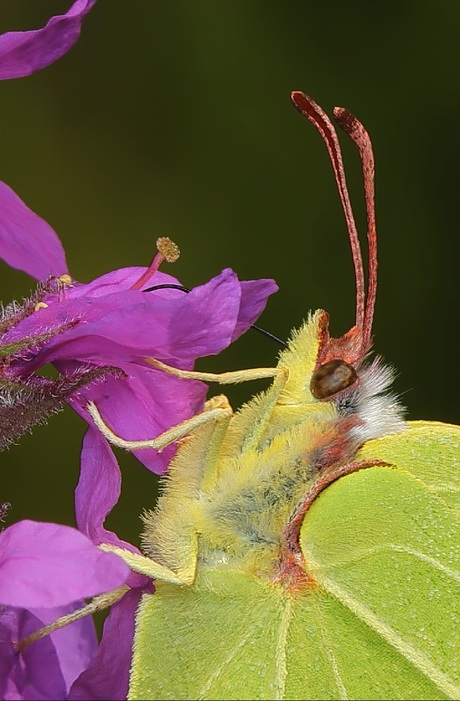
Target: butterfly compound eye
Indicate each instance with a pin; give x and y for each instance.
(332, 377)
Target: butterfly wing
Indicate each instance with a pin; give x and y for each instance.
(384, 543)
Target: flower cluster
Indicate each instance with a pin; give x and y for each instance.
(98, 336)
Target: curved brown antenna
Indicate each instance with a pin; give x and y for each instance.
(353, 127)
(308, 107)
(354, 344)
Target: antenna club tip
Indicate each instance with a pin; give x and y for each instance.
(299, 99)
(168, 249)
(344, 117)
(352, 126)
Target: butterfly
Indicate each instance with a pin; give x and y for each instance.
(306, 545)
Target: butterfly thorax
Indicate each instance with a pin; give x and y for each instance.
(235, 508)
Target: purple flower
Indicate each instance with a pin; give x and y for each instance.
(110, 322)
(46, 572)
(23, 53)
(107, 675)
(85, 328)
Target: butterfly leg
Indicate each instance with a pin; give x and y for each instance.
(145, 565)
(223, 378)
(259, 421)
(216, 409)
(98, 603)
(171, 532)
(171, 541)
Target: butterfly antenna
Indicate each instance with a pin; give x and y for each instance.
(353, 127)
(313, 112)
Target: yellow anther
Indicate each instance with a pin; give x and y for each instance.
(168, 249)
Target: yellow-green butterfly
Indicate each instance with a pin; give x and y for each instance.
(308, 545)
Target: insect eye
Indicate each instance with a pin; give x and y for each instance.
(332, 377)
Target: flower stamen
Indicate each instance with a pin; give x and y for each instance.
(167, 251)
(65, 280)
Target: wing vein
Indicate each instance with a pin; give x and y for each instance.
(281, 664)
(332, 659)
(370, 552)
(423, 663)
(231, 655)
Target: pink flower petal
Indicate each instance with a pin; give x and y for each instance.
(47, 565)
(46, 669)
(98, 488)
(254, 294)
(23, 53)
(27, 242)
(97, 492)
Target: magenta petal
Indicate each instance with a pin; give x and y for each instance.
(215, 314)
(97, 492)
(46, 669)
(254, 294)
(167, 324)
(119, 326)
(27, 242)
(125, 325)
(98, 489)
(75, 643)
(107, 677)
(47, 565)
(124, 279)
(35, 674)
(204, 320)
(23, 53)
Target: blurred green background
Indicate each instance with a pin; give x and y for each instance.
(174, 119)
